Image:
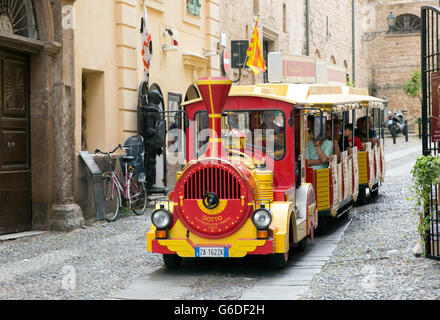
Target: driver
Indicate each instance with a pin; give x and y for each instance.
(274, 121)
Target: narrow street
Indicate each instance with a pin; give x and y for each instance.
(367, 256)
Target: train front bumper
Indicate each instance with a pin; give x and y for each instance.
(185, 248)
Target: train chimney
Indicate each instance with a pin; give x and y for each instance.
(214, 92)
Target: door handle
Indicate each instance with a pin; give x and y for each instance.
(11, 145)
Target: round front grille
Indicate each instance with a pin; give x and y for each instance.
(212, 200)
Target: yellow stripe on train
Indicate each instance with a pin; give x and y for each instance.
(362, 162)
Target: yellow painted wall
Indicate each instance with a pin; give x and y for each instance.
(107, 40)
(95, 51)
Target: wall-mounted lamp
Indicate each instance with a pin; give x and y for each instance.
(391, 21)
(207, 53)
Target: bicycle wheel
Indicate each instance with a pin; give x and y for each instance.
(137, 193)
(112, 198)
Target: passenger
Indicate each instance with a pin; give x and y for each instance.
(361, 131)
(318, 153)
(336, 149)
(349, 135)
(339, 136)
(358, 131)
(372, 133)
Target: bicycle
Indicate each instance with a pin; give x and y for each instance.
(133, 191)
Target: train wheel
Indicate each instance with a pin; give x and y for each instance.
(323, 226)
(375, 193)
(172, 261)
(278, 260)
(362, 197)
(301, 246)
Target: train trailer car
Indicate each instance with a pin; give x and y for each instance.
(351, 171)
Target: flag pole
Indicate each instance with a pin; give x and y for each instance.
(240, 70)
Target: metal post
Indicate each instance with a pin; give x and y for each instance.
(424, 87)
(393, 133)
(385, 113)
(353, 120)
(368, 124)
(406, 131)
(343, 131)
(353, 44)
(307, 28)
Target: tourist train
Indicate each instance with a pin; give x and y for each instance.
(248, 187)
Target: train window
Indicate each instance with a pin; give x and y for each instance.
(262, 130)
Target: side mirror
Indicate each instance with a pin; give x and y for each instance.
(161, 132)
(320, 128)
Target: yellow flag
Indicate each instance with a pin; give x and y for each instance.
(255, 54)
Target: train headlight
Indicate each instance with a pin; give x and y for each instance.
(161, 219)
(262, 219)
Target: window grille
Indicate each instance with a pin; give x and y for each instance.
(406, 23)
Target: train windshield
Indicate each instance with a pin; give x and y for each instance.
(257, 131)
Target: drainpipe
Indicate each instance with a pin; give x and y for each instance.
(307, 29)
(353, 41)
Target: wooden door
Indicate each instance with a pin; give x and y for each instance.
(15, 166)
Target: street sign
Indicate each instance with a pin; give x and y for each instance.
(435, 109)
(238, 50)
(226, 61)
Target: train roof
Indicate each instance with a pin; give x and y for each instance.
(327, 97)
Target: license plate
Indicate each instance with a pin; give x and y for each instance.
(211, 252)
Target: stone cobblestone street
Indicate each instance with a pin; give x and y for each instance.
(372, 260)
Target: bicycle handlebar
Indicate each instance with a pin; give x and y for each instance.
(108, 153)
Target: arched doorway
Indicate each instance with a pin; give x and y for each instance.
(161, 161)
(36, 120)
(16, 19)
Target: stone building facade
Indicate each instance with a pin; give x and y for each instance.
(395, 55)
(76, 77)
(337, 32)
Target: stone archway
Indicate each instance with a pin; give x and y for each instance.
(52, 122)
